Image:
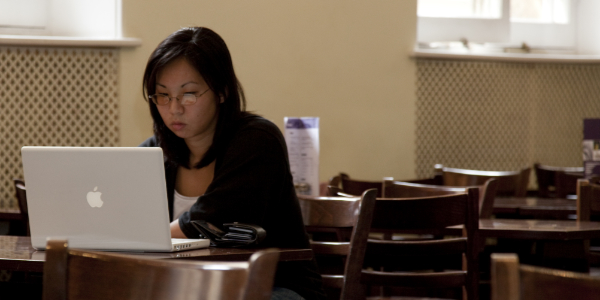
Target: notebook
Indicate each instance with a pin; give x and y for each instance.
(101, 198)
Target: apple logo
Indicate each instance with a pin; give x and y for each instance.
(93, 198)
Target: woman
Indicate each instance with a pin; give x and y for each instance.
(222, 164)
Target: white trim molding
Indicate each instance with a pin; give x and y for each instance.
(67, 41)
(507, 57)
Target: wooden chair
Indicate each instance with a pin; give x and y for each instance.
(512, 281)
(344, 184)
(510, 183)
(557, 182)
(21, 195)
(376, 262)
(77, 274)
(400, 189)
(588, 206)
(338, 215)
(353, 186)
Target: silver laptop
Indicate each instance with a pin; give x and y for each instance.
(102, 198)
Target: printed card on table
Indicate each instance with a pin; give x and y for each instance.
(302, 138)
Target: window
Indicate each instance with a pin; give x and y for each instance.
(540, 11)
(71, 18)
(23, 15)
(539, 23)
(485, 9)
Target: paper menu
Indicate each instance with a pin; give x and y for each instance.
(302, 138)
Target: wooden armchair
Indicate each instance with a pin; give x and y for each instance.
(510, 183)
(77, 274)
(512, 281)
(557, 182)
(377, 263)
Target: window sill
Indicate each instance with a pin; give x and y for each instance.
(64, 41)
(504, 57)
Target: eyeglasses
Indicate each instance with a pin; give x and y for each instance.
(185, 99)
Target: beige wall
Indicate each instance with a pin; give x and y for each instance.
(343, 61)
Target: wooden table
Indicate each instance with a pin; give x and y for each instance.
(539, 229)
(538, 208)
(559, 243)
(535, 229)
(16, 254)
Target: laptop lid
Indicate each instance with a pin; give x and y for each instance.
(108, 198)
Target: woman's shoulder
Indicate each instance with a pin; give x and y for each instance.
(257, 124)
(255, 134)
(149, 142)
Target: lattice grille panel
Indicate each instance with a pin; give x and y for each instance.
(502, 116)
(54, 97)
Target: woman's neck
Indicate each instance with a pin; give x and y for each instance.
(198, 147)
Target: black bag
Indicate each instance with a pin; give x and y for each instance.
(234, 235)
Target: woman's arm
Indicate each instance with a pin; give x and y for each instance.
(248, 182)
(176, 230)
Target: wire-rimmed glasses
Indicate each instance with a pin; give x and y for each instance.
(185, 99)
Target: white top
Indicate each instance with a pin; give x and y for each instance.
(182, 204)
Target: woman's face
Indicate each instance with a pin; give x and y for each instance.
(190, 122)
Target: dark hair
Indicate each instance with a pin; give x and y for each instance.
(207, 52)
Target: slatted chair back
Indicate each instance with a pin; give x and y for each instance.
(588, 199)
(510, 183)
(400, 189)
(338, 215)
(353, 186)
(514, 281)
(78, 274)
(557, 182)
(588, 208)
(374, 262)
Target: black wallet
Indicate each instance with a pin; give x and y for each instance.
(233, 235)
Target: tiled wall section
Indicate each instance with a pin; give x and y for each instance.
(54, 97)
(501, 115)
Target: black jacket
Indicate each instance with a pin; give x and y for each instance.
(253, 184)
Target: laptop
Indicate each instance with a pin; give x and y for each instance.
(100, 198)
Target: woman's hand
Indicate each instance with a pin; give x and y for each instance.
(176, 230)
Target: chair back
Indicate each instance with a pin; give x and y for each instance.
(588, 199)
(21, 195)
(330, 214)
(353, 186)
(513, 281)
(510, 183)
(337, 215)
(400, 189)
(371, 262)
(557, 182)
(78, 274)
